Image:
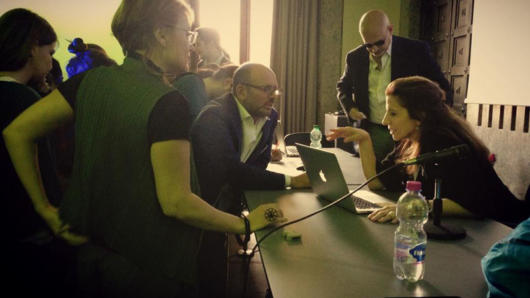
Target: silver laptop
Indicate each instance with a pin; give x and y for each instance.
(328, 181)
(290, 151)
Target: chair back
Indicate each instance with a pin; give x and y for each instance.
(304, 139)
(297, 137)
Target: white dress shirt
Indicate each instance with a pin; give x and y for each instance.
(252, 133)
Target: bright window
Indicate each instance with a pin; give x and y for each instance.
(225, 17)
(260, 31)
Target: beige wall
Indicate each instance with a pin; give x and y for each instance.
(354, 9)
(499, 68)
(89, 20)
(338, 32)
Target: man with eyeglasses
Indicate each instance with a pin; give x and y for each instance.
(232, 140)
(370, 67)
(233, 134)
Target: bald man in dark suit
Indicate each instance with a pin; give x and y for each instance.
(370, 67)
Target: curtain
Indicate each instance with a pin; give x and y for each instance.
(294, 59)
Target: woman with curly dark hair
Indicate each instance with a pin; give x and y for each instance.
(420, 122)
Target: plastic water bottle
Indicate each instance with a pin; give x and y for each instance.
(316, 137)
(410, 239)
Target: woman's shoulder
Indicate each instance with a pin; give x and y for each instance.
(188, 82)
(14, 87)
(188, 76)
(22, 93)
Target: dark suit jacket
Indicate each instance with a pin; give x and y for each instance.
(216, 138)
(409, 58)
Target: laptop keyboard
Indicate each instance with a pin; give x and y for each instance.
(363, 204)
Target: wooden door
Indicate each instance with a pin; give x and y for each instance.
(447, 25)
(460, 52)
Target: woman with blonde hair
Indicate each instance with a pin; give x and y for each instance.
(420, 122)
(130, 192)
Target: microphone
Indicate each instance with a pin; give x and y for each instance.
(434, 227)
(455, 151)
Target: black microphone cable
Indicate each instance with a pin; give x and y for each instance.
(325, 207)
(458, 150)
(309, 215)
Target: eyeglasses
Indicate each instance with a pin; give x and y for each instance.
(191, 35)
(378, 44)
(270, 90)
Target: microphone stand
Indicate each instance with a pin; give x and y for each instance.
(434, 227)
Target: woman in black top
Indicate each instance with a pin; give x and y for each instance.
(420, 122)
(27, 45)
(36, 261)
(133, 203)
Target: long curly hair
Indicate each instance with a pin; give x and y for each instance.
(425, 101)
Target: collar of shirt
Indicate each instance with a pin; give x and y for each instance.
(8, 79)
(384, 59)
(251, 131)
(245, 115)
(378, 79)
(147, 61)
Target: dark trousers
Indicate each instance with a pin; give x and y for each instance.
(38, 269)
(213, 254)
(104, 273)
(213, 265)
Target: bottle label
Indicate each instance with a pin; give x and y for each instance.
(406, 255)
(418, 252)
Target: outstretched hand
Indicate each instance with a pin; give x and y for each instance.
(276, 154)
(385, 214)
(349, 134)
(265, 215)
(300, 181)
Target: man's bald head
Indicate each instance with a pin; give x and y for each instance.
(375, 27)
(255, 86)
(250, 72)
(373, 20)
